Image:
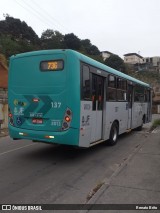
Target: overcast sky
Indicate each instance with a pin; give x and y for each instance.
(118, 26)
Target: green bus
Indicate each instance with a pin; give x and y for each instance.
(64, 97)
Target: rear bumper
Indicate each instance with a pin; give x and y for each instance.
(69, 137)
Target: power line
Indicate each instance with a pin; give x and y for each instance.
(52, 18)
(30, 11)
(33, 11)
(36, 13)
(41, 16)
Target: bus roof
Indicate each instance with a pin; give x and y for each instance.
(85, 59)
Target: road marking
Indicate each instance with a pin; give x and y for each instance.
(12, 150)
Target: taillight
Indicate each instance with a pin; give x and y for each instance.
(10, 115)
(67, 119)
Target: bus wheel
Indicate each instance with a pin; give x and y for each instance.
(113, 137)
(139, 128)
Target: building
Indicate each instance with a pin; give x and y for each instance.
(3, 96)
(106, 54)
(133, 58)
(156, 98)
(3, 76)
(153, 62)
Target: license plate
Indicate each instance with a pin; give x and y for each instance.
(37, 121)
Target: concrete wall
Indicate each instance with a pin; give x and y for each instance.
(3, 115)
(3, 77)
(3, 108)
(133, 59)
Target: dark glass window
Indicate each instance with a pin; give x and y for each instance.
(121, 84)
(85, 83)
(121, 95)
(100, 89)
(121, 89)
(97, 92)
(147, 95)
(112, 81)
(139, 95)
(111, 90)
(111, 95)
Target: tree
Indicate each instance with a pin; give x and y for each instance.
(115, 62)
(9, 46)
(90, 49)
(18, 30)
(16, 37)
(71, 41)
(52, 40)
(94, 50)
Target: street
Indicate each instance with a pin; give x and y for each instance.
(47, 174)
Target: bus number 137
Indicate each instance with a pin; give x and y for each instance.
(56, 104)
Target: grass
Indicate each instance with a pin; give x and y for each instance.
(155, 124)
(93, 191)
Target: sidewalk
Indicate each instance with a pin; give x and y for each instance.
(138, 180)
(3, 132)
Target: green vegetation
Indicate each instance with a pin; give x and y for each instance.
(17, 37)
(147, 76)
(155, 124)
(115, 62)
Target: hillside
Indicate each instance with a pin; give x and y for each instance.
(149, 77)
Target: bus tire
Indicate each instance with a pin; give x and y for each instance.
(113, 137)
(139, 128)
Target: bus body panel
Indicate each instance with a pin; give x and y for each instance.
(138, 113)
(39, 99)
(85, 124)
(117, 111)
(69, 137)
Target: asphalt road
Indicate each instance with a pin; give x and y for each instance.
(47, 174)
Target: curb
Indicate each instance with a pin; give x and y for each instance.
(4, 133)
(107, 182)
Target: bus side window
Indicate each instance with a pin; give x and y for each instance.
(147, 95)
(111, 89)
(139, 95)
(94, 92)
(121, 89)
(86, 94)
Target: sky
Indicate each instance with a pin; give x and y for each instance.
(117, 26)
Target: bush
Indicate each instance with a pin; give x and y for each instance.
(156, 123)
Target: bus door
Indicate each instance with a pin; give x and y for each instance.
(148, 100)
(130, 105)
(97, 107)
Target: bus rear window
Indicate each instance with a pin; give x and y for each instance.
(53, 65)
